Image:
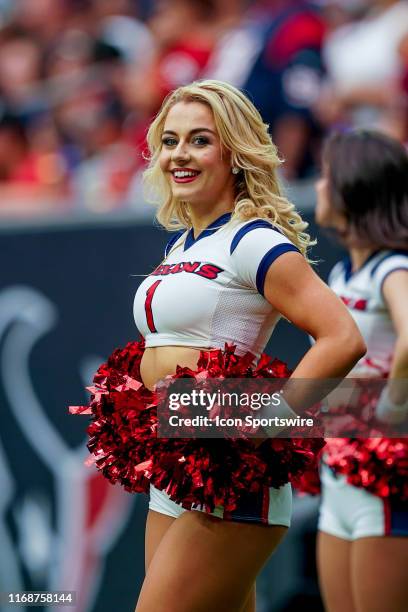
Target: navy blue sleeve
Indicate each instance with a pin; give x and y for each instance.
(254, 248)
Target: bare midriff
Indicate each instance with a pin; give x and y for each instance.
(159, 361)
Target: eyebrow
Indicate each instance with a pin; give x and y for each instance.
(191, 131)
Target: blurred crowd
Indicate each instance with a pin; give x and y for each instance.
(80, 81)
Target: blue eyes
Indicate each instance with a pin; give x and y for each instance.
(169, 142)
(200, 141)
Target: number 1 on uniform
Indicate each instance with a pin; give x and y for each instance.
(148, 306)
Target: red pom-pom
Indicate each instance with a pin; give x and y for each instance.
(379, 465)
(309, 481)
(209, 472)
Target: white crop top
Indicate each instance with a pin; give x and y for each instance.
(209, 290)
(361, 291)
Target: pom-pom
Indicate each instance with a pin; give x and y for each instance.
(309, 481)
(123, 436)
(379, 465)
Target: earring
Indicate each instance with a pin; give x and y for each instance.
(235, 170)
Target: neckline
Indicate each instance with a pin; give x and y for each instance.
(208, 231)
(349, 274)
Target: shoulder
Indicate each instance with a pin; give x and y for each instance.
(260, 231)
(253, 247)
(253, 227)
(388, 261)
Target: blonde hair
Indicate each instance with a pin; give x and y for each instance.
(242, 132)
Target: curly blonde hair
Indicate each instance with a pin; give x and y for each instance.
(243, 133)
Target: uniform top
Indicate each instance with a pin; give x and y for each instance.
(209, 290)
(362, 293)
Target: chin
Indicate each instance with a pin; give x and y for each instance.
(186, 194)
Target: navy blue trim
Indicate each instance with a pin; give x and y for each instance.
(248, 228)
(347, 269)
(398, 518)
(387, 275)
(387, 256)
(172, 242)
(347, 265)
(211, 229)
(268, 259)
(249, 508)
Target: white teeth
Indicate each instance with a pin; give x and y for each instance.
(184, 173)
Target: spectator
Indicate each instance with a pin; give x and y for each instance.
(84, 77)
(46, 19)
(32, 173)
(118, 25)
(76, 91)
(403, 52)
(183, 36)
(20, 71)
(365, 69)
(102, 181)
(276, 58)
(338, 13)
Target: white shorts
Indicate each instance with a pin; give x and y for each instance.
(350, 512)
(271, 507)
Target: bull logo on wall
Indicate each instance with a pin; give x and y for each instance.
(58, 518)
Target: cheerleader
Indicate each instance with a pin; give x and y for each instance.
(362, 545)
(236, 265)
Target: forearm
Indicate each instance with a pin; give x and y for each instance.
(326, 363)
(308, 303)
(398, 383)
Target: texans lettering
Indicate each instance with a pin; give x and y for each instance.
(205, 270)
(353, 303)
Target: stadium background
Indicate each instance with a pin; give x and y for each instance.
(79, 82)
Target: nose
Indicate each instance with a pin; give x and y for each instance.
(320, 184)
(181, 152)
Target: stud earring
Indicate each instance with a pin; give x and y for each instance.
(235, 170)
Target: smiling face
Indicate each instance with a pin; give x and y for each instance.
(192, 158)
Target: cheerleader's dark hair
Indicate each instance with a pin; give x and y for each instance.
(368, 183)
